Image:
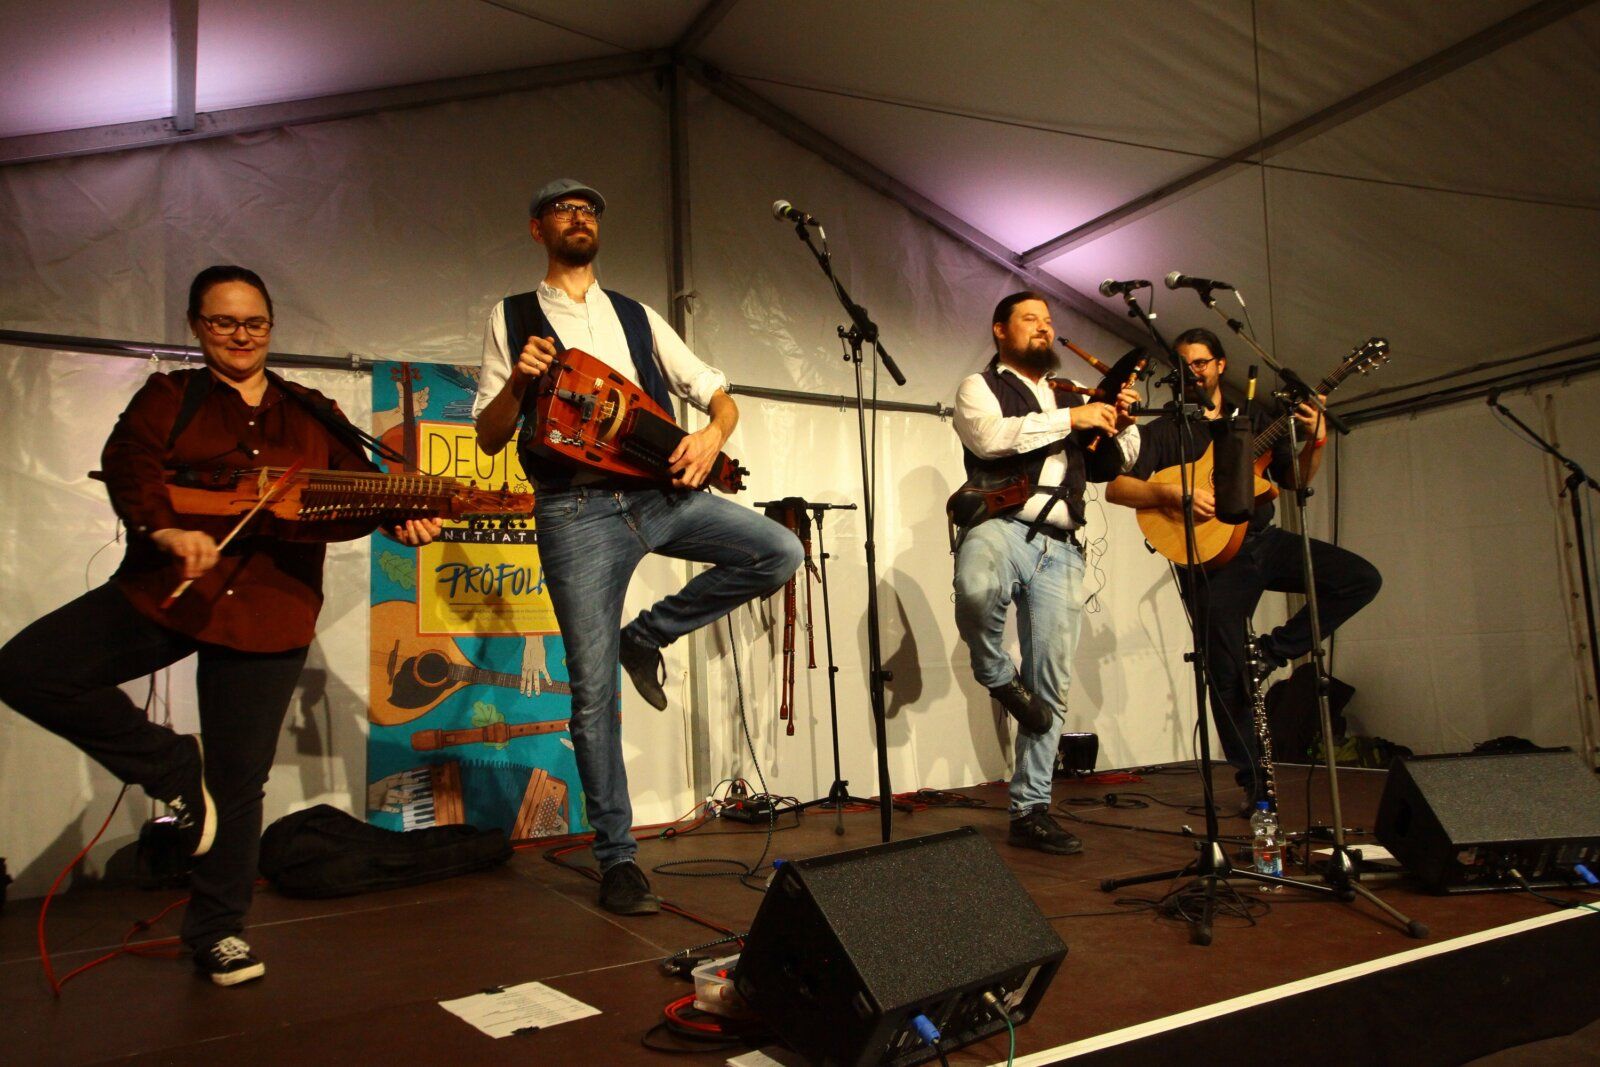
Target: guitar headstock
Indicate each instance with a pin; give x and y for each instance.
(1368, 356)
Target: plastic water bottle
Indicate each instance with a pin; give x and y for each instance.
(1266, 847)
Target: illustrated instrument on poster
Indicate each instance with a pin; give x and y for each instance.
(430, 796)
(496, 733)
(453, 793)
(402, 437)
(411, 675)
(544, 808)
(587, 414)
(1217, 542)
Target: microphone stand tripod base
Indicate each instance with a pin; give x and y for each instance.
(1208, 870)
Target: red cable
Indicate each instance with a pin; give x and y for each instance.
(44, 907)
(673, 1011)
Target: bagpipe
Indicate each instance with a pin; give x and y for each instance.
(984, 497)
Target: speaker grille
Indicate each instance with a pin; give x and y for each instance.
(1515, 797)
(917, 924)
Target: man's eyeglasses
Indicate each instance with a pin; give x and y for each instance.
(225, 325)
(1199, 365)
(566, 209)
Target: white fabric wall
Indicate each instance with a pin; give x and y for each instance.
(1477, 631)
(391, 236)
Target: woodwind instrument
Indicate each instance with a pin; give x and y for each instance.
(1258, 707)
(1112, 381)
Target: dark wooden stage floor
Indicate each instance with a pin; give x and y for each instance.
(358, 980)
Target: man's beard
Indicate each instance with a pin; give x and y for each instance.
(1040, 360)
(572, 254)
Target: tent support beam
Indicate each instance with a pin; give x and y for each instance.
(699, 771)
(352, 363)
(33, 148)
(1483, 43)
(704, 23)
(769, 114)
(185, 18)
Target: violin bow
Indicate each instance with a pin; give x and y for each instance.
(266, 498)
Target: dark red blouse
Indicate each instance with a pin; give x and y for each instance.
(264, 593)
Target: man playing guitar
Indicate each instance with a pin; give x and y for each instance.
(593, 529)
(1268, 558)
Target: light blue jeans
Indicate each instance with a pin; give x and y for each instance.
(996, 567)
(590, 541)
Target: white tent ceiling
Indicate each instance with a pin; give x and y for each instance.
(1444, 191)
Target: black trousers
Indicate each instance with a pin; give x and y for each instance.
(63, 671)
(1269, 560)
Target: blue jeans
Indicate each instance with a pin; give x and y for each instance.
(590, 541)
(996, 566)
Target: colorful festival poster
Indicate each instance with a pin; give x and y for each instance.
(469, 702)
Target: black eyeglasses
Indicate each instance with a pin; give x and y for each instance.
(1201, 364)
(225, 325)
(566, 209)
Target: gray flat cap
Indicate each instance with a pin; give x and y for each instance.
(559, 188)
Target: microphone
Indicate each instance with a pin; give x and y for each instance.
(1188, 281)
(1112, 287)
(784, 211)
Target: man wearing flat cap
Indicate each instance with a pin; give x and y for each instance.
(593, 530)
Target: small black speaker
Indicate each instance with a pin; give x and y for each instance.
(847, 949)
(1462, 822)
(1233, 472)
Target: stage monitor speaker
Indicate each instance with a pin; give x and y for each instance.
(847, 949)
(1461, 822)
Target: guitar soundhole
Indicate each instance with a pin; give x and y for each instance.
(432, 669)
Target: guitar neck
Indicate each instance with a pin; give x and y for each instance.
(1268, 439)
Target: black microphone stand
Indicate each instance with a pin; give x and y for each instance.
(1211, 868)
(1340, 872)
(1577, 478)
(863, 331)
(839, 796)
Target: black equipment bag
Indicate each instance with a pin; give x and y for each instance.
(323, 852)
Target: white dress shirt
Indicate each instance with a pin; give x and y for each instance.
(989, 435)
(592, 325)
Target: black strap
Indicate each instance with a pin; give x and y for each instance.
(199, 385)
(195, 391)
(353, 436)
(1061, 493)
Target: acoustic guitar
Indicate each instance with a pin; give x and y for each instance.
(412, 675)
(1217, 542)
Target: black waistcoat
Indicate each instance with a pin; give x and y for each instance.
(1017, 400)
